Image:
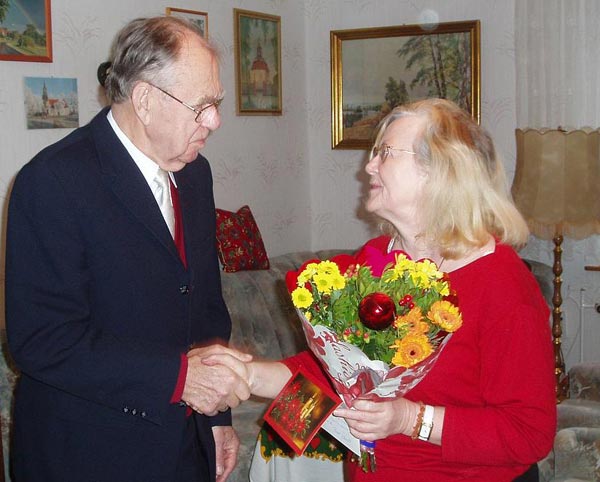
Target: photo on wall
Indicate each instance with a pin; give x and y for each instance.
(25, 30)
(257, 63)
(51, 103)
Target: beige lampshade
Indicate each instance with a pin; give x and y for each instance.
(557, 181)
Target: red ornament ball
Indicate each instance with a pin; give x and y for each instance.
(377, 311)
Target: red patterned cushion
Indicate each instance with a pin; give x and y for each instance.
(239, 242)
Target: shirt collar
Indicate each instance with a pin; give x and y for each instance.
(147, 166)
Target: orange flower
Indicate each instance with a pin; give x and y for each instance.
(445, 315)
(413, 322)
(411, 349)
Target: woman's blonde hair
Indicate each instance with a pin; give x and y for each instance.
(466, 197)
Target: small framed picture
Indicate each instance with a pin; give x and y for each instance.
(257, 63)
(300, 410)
(200, 19)
(51, 103)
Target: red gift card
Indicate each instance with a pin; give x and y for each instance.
(300, 409)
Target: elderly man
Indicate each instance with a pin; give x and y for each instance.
(112, 276)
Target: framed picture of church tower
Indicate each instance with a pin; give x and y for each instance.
(257, 63)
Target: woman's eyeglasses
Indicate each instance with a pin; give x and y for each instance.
(384, 151)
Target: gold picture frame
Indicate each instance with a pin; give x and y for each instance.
(200, 19)
(26, 31)
(257, 63)
(372, 70)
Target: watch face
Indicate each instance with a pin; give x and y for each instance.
(427, 424)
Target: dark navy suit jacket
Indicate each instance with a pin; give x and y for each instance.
(99, 309)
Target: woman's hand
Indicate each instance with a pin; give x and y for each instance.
(377, 420)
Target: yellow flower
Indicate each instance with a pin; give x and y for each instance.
(430, 269)
(420, 279)
(411, 349)
(307, 273)
(328, 267)
(338, 282)
(441, 287)
(323, 282)
(445, 315)
(302, 298)
(402, 265)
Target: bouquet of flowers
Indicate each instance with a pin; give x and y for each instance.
(377, 323)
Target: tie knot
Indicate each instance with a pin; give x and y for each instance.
(162, 177)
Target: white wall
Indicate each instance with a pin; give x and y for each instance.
(258, 160)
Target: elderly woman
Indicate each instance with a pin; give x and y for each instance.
(488, 403)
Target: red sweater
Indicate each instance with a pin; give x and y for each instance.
(495, 378)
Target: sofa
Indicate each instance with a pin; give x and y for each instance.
(264, 324)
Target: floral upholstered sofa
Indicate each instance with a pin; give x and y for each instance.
(265, 324)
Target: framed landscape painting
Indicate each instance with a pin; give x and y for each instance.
(375, 69)
(257, 63)
(25, 30)
(198, 18)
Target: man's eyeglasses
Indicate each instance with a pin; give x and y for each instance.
(384, 151)
(202, 113)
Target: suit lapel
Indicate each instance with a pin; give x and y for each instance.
(197, 207)
(121, 175)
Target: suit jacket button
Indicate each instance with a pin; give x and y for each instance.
(184, 289)
(143, 414)
(134, 411)
(126, 409)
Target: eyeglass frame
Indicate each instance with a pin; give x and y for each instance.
(385, 150)
(198, 112)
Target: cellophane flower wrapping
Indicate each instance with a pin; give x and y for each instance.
(354, 374)
(346, 330)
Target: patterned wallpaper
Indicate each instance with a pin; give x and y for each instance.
(304, 195)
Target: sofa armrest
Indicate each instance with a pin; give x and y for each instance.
(584, 381)
(577, 454)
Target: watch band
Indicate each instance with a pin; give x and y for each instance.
(427, 424)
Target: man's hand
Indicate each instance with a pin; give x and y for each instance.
(227, 445)
(210, 389)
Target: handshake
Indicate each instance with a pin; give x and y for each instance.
(219, 378)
